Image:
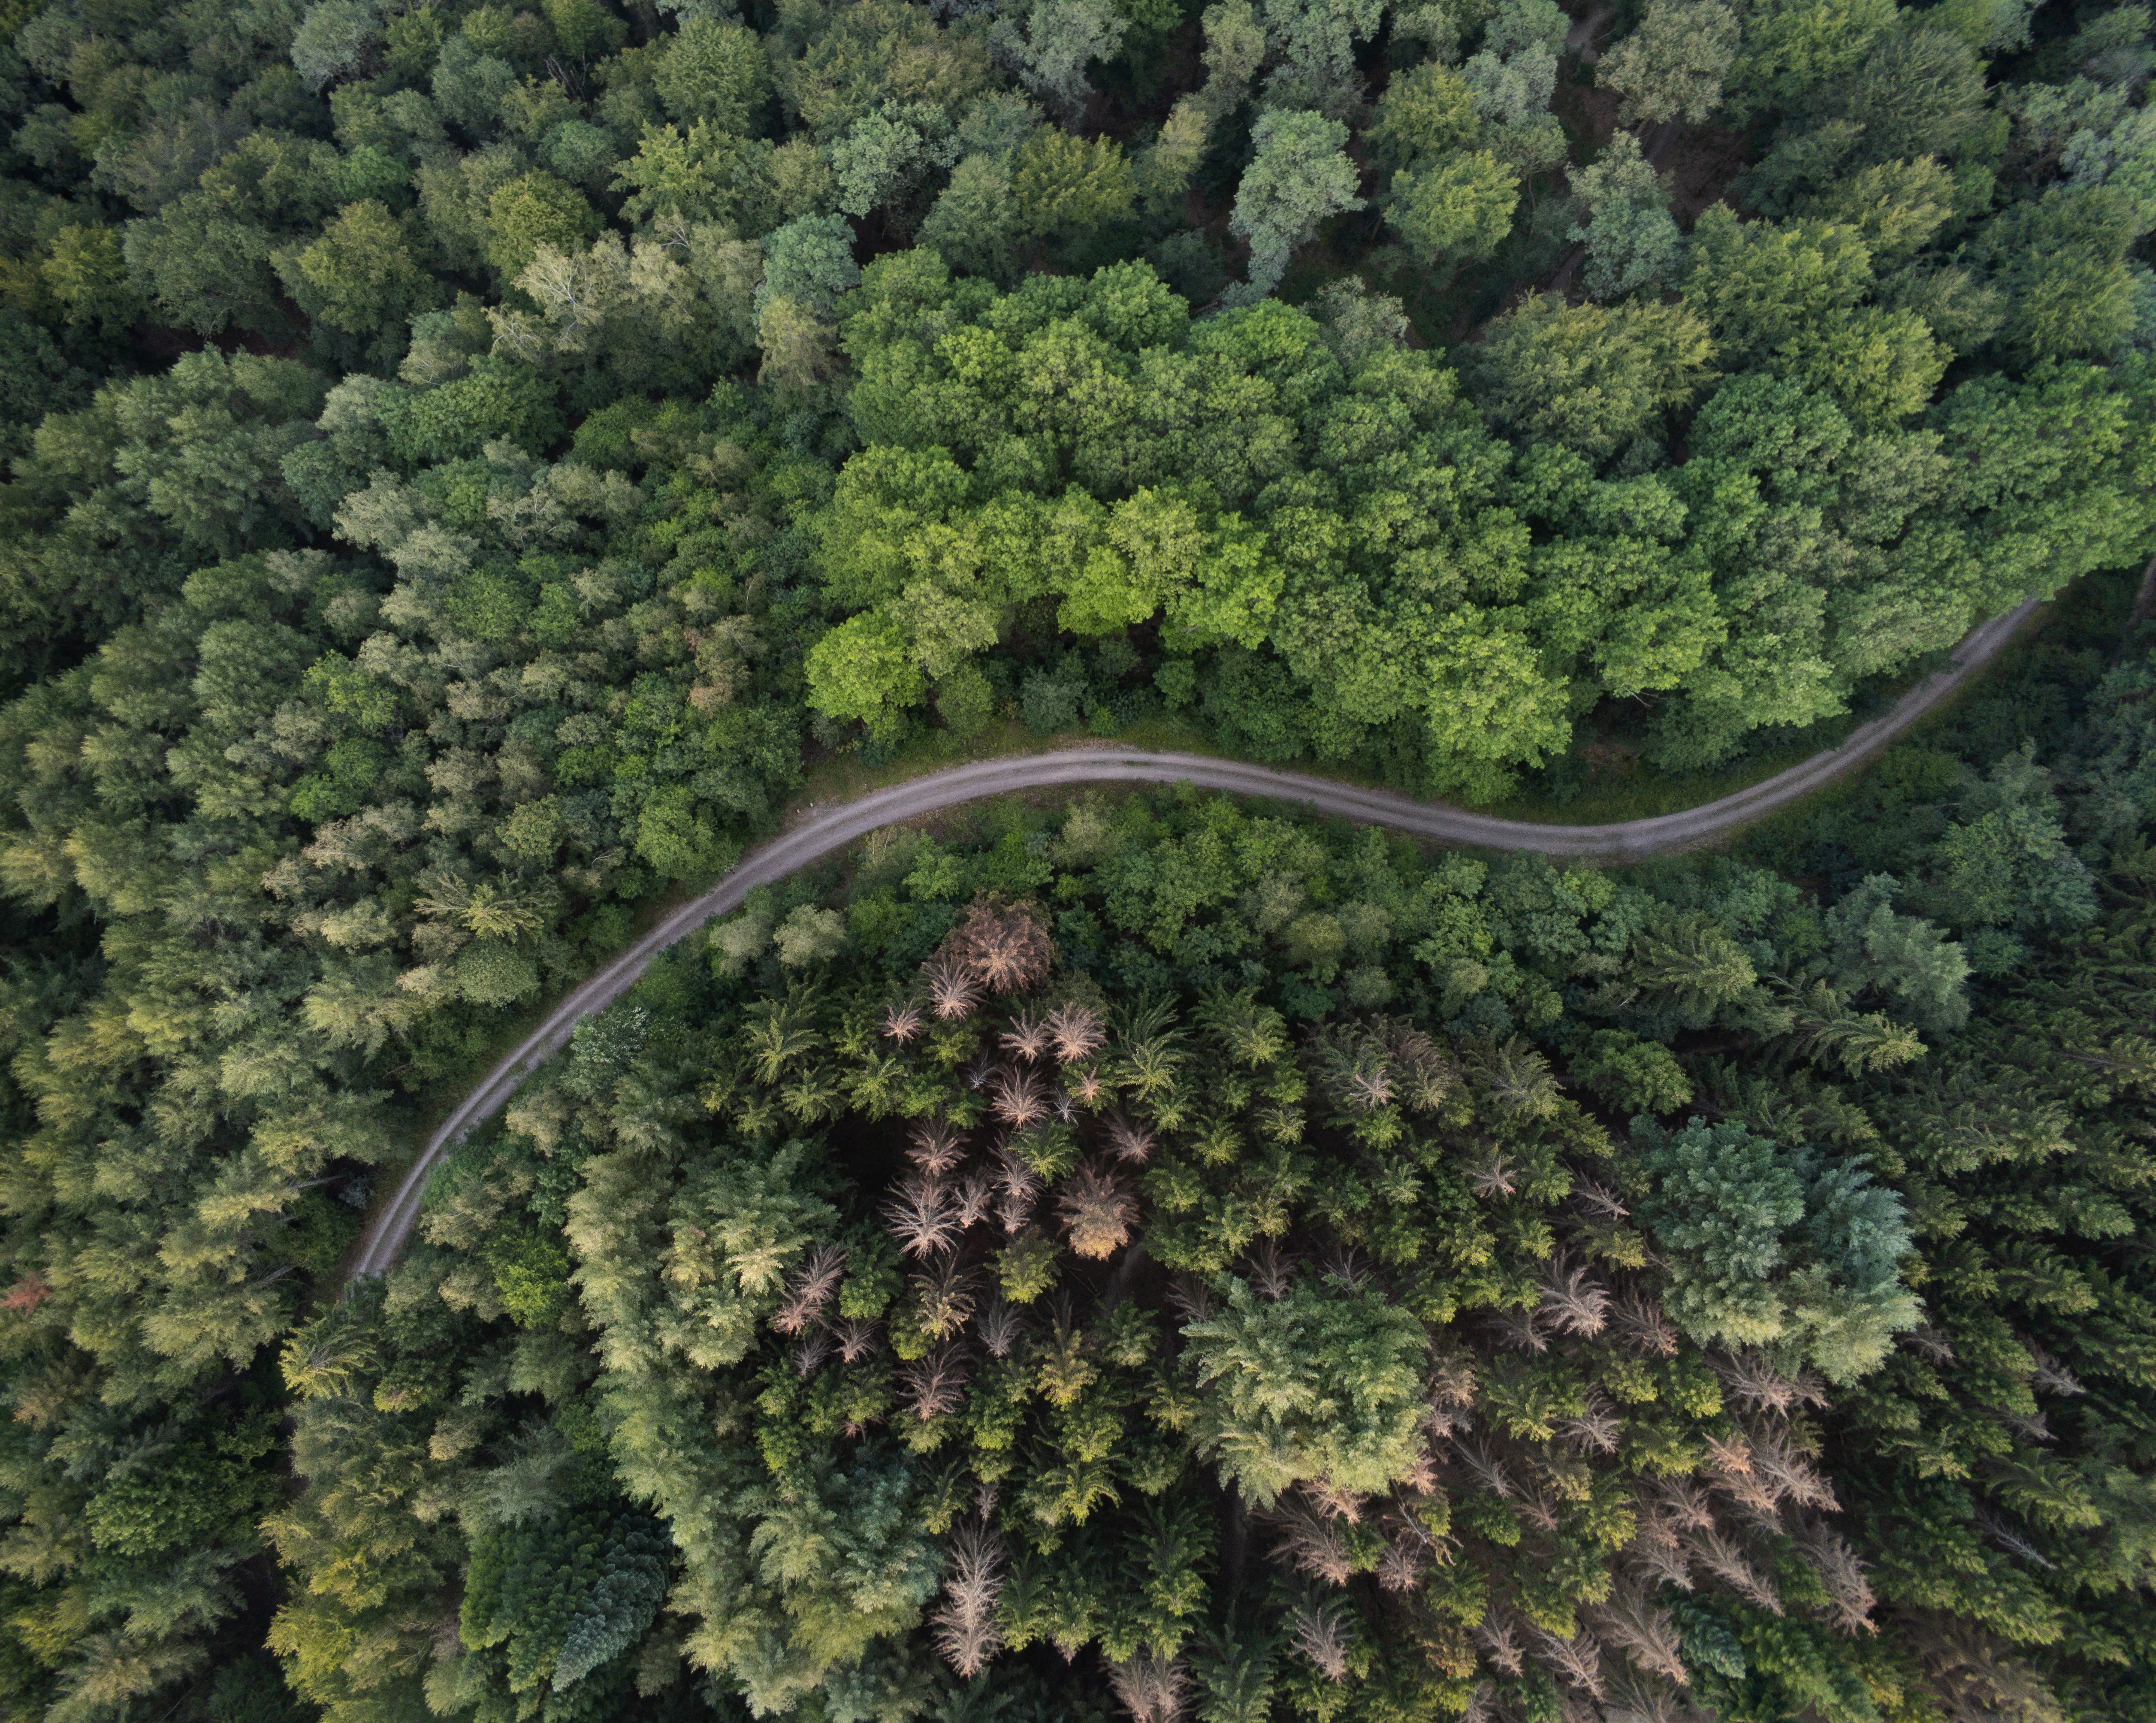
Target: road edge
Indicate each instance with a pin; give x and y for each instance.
(810, 840)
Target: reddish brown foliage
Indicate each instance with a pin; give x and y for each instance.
(1003, 946)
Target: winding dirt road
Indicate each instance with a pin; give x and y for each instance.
(821, 832)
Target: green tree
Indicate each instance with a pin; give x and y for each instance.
(1909, 961)
(1315, 42)
(1631, 239)
(361, 276)
(1513, 77)
(1426, 114)
(1792, 294)
(1727, 1206)
(1317, 1386)
(715, 70)
(1299, 177)
(880, 159)
(1587, 377)
(1673, 66)
(1064, 187)
(1234, 49)
(1059, 39)
(1635, 1075)
(810, 260)
(2062, 262)
(1455, 210)
(533, 210)
(334, 39)
(974, 224)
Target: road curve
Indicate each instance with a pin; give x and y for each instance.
(835, 828)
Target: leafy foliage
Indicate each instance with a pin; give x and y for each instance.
(464, 458)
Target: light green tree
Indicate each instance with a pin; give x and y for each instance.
(1588, 378)
(1063, 187)
(1319, 1385)
(1454, 210)
(864, 670)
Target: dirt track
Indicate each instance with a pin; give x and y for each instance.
(834, 828)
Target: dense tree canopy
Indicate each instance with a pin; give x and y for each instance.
(465, 462)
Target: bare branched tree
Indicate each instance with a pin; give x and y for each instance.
(1152, 1688)
(953, 991)
(945, 1298)
(1977, 1675)
(1849, 1593)
(1487, 1469)
(1309, 1541)
(1790, 1472)
(1685, 1504)
(1578, 1659)
(975, 1194)
(1028, 1036)
(856, 1338)
(1520, 1330)
(1664, 1564)
(1573, 1301)
(1931, 1343)
(1452, 1380)
(1272, 1270)
(1018, 1189)
(1727, 1563)
(1598, 1428)
(1643, 1698)
(1191, 1299)
(1003, 947)
(1018, 1097)
(1646, 1633)
(1130, 1143)
(1318, 1632)
(1400, 1566)
(1641, 1325)
(1078, 1032)
(967, 1633)
(922, 1216)
(937, 1146)
(934, 1385)
(1494, 1178)
(1750, 1382)
(1001, 1328)
(1500, 1644)
(810, 1351)
(811, 1289)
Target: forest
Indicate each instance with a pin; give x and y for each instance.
(469, 468)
